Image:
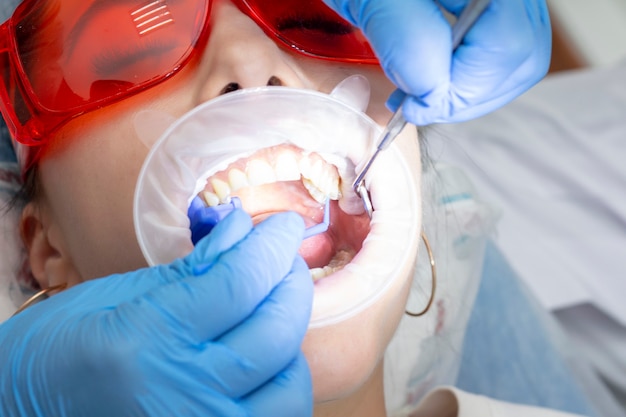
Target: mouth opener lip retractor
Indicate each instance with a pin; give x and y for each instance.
(466, 20)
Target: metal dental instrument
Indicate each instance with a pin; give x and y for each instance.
(466, 20)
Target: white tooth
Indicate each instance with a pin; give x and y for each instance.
(260, 172)
(314, 192)
(311, 169)
(237, 179)
(222, 189)
(317, 170)
(341, 259)
(323, 188)
(333, 191)
(305, 167)
(286, 168)
(329, 184)
(318, 181)
(211, 199)
(317, 273)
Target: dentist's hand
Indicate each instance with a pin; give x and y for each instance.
(505, 53)
(217, 333)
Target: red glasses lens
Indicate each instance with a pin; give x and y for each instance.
(76, 53)
(312, 28)
(67, 57)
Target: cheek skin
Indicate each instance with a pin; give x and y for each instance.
(342, 357)
(88, 174)
(90, 186)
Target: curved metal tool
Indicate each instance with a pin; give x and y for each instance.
(466, 20)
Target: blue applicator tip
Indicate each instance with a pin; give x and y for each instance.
(203, 219)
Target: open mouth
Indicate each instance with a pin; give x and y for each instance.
(287, 178)
(280, 149)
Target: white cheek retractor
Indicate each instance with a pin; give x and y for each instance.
(226, 129)
(234, 126)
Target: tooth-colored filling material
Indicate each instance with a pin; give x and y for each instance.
(285, 178)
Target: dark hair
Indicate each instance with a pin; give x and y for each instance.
(28, 191)
(422, 135)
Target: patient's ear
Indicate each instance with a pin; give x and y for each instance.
(46, 250)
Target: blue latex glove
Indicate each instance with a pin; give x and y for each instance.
(217, 333)
(505, 53)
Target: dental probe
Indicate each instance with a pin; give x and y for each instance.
(466, 20)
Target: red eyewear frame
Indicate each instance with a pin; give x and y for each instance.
(60, 59)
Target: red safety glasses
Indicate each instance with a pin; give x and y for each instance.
(63, 58)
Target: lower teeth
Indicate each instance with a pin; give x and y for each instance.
(341, 259)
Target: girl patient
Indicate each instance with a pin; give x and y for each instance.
(81, 156)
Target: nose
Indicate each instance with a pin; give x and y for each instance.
(238, 54)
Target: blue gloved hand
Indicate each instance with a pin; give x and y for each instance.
(217, 333)
(505, 53)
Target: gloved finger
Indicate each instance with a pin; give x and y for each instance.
(529, 57)
(228, 232)
(502, 39)
(202, 307)
(288, 394)
(411, 38)
(396, 99)
(247, 356)
(501, 56)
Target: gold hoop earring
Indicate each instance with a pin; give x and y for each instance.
(40, 296)
(433, 270)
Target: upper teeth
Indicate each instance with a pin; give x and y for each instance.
(319, 178)
(237, 179)
(260, 173)
(287, 168)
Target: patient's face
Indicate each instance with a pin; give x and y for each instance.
(88, 176)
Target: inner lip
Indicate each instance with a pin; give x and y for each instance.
(287, 178)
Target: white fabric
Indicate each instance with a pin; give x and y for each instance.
(424, 352)
(554, 161)
(452, 402)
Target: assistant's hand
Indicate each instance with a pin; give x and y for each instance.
(217, 333)
(505, 53)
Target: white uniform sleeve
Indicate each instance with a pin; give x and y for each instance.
(452, 402)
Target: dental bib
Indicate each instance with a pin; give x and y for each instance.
(237, 125)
